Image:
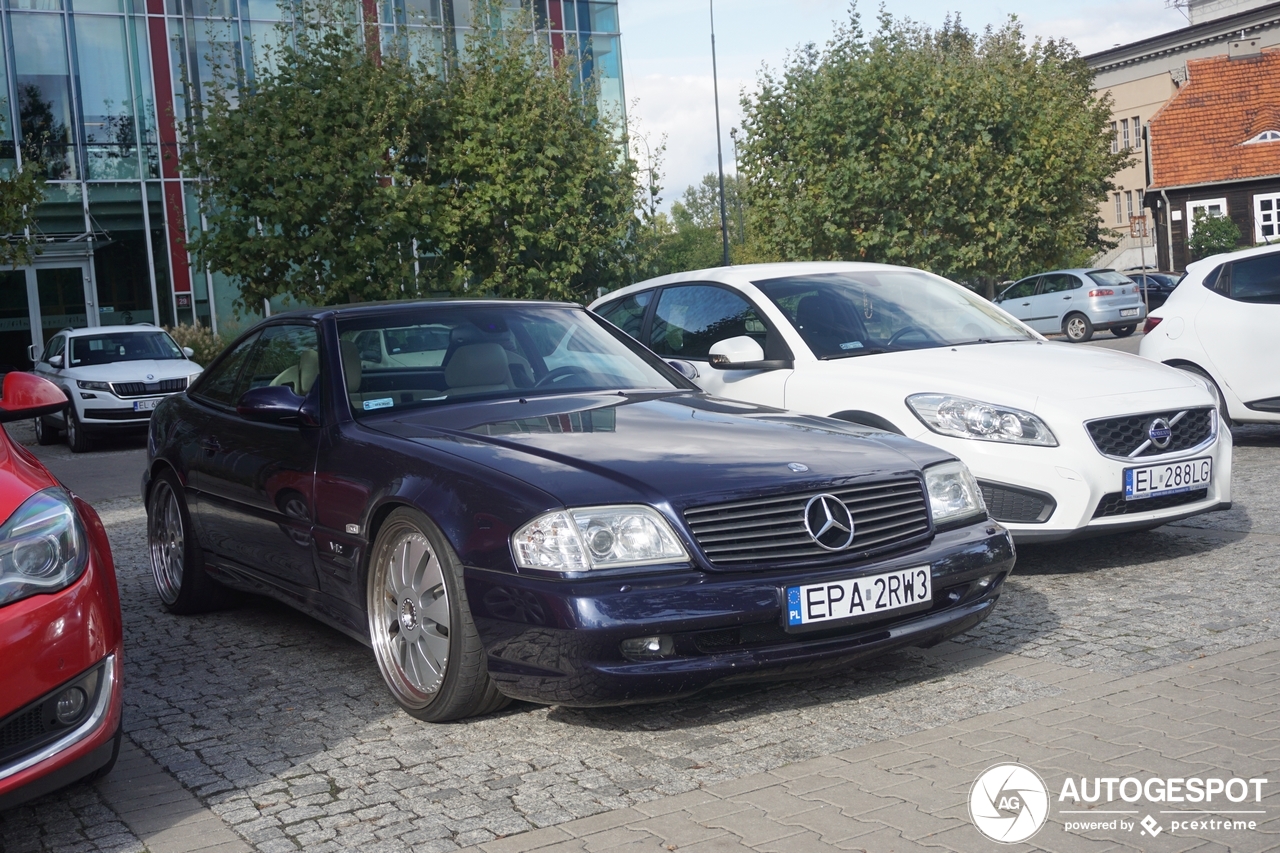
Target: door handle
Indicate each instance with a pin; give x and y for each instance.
(1025, 304)
(1066, 297)
(210, 445)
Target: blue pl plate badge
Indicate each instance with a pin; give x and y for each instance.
(793, 606)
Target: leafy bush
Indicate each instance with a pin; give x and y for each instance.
(205, 343)
(1212, 234)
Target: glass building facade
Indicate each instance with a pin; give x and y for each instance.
(99, 91)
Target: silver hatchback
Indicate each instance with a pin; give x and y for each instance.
(1076, 303)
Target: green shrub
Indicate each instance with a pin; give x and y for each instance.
(1212, 234)
(202, 340)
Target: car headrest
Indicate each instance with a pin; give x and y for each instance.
(814, 310)
(308, 370)
(351, 369)
(477, 364)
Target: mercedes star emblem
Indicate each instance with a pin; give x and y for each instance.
(1160, 433)
(829, 522)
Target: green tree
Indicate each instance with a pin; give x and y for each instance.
(315, 179)
(977, 157)
(1212, 234)
(20, 193)
(539, 198)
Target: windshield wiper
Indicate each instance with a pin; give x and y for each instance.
(985, 341)
(855, 353)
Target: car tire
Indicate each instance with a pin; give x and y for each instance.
(177, 563)
(1123, 331)
(1223, 414)
(45, 434)
(423, 637)
(1077, 328)
(77, 437)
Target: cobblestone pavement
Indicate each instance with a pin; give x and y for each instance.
(282, 728)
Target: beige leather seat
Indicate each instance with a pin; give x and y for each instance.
(301, 376)
(352, 371)
(477, 369)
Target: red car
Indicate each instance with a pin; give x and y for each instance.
(60, 625)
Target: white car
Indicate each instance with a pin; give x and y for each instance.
(1221, 322)
(114, 376)
(1065, 441)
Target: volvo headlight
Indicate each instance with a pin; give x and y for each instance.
(961, 417)
(602, 537)
(953, 493)
(86, 385)
(43, 547)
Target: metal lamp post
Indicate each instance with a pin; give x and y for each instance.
(715, 85)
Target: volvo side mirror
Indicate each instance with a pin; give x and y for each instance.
(188, 352)
(55, 360)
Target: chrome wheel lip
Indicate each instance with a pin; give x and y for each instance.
(167, 542)
(409, 617)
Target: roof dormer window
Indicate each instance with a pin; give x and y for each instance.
(1265, 136)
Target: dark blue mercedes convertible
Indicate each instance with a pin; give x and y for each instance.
(515, 499)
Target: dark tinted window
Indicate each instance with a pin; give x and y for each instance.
(690, 319)
(627, 313)
(1256, 279)
(1058, 282)
(1021, 290)
(285, 355)
(1219, 280)
(1111, 278)
(221, 383)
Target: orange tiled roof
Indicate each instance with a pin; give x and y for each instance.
(1197, 138)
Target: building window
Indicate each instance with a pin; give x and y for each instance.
(1266, 218)
(1265, 136)
(1128, 203)
(1115, 139)
(1210, 206)
(1119, 210)
(1124, 133)
(1139, 200)
(1137, 132)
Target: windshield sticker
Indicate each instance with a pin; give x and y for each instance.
(852, 345)
(383, 403)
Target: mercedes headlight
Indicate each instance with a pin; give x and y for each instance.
(602, 537)
(86, 385)
(43, 547)
(953, 493)
(961, 417)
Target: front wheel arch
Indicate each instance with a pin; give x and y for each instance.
(868, 419)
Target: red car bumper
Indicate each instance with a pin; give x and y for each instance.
(49, 643)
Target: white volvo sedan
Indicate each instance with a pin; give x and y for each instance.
(1065, 441)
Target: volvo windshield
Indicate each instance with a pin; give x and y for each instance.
(847, 314)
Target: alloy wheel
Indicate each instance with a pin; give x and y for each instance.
(411, 618)
(168, 542)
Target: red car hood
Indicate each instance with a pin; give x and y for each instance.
(21, 476)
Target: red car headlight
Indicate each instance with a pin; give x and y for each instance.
(43, 547)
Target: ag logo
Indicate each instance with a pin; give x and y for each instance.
(1009, 803)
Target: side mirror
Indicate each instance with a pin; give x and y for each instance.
(25, 395)
(742, 353)
(687, 369)
(188, 352)
(55, 360)
(270, 404)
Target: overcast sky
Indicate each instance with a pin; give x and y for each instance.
(666, 54)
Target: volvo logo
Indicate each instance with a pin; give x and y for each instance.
(150, 376)
(798, 467)
(829, 522)
(1160, 433)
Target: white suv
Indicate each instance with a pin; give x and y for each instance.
(114, 376)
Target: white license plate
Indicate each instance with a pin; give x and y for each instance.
(1128, 312)
(849, 599)
(1169, 479)
(144, 405)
